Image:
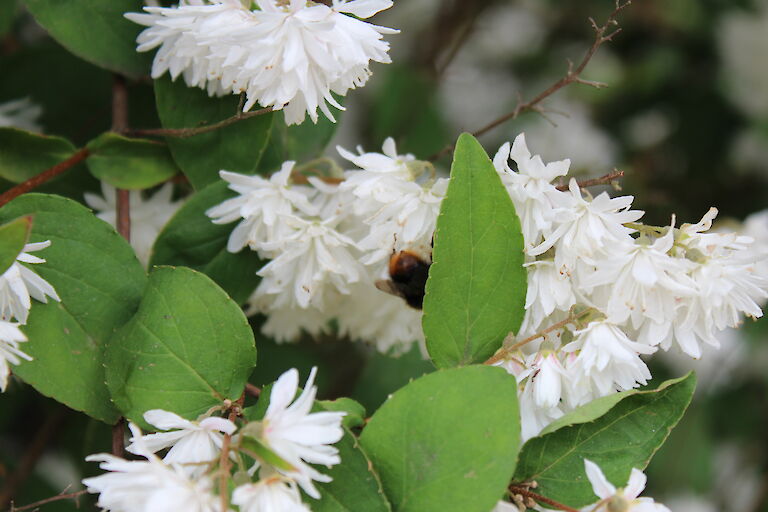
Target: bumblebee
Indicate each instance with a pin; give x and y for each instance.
(408, 274)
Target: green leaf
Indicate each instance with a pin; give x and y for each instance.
(384, 374)
(618, 433)
(445, 442)
(237, 147)
(26, 154)
(355, 485)
(133, 164)
(475, 293)
(13, 236)
(188, 348)
(191, 239)
(99, 280)
(95, 30)
(355, 412)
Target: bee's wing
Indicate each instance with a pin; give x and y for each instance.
(387, 286)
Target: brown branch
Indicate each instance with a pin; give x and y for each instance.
(120, 125)
(182, 133)
(602, 35)
(602, 180)
(124, 213)
(45, 176)
(538, 497)
(27, 464)
(58, 497)
(118, 438)
(252, 390)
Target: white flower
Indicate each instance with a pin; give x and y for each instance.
(194, 446)
(607, 361)
(640, 282)
(547, 379)
(286, 323)
(626, 499)
(22, 113)
(313, 261)
(533, 418)
(19, 283)
(505, 506)
(370, 315)
(400, 212)
(263, 205)
(274, 493)
(536, 200)
(148, 216)
(298, 436)
(583, 227)
(148, 486)
(549, 289)
(285, 54)
(10, 337)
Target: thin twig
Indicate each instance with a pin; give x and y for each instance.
(504, 351)
(45, 176)
(58, 497)
(252, 390)
(224, 462)
(538, 497)
(603, 34)
(182, 133)
(27, 463)
(120, 125)
(602, 180)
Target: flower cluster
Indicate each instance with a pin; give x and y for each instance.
(18, 286)
(329, 244)
(290, 54)
(288, 439)
(148, 216)
(603, 288)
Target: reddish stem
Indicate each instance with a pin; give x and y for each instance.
(542, 499)
(45, 176)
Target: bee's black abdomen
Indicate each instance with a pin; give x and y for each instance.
(409, 273)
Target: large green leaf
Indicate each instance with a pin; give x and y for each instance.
(13, 236)
(99, 280)
(133, 164)
(188, 348)
(475, 294)
(95, 30)
(25, 154)
(355, 485)
(237, 147)
(618, 433)
(191, 239)
(447, 441)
